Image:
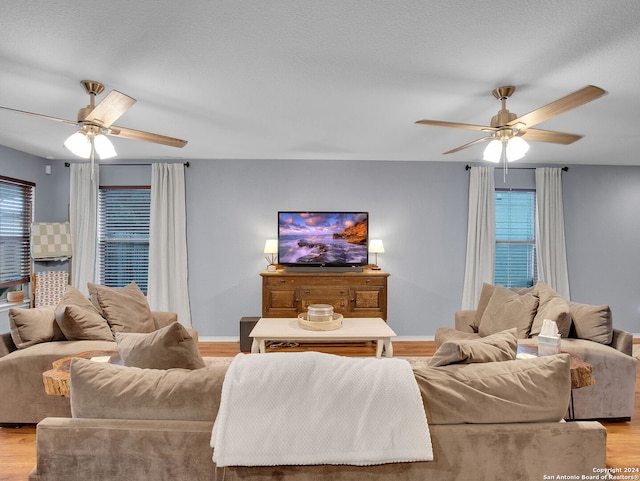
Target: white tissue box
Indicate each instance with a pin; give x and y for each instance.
(548, 345)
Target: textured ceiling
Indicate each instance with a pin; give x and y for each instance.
(336, 79)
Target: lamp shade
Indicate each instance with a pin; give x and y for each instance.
(493, 151)
(375, 246)
(271, 246)
(79, 144)
(104, 147)
(516, 148)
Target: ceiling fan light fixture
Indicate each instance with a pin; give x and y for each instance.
(493, 151)
(516, 148)
(104, 147)
(78, 143)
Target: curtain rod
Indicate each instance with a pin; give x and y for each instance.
(564, 169)
(68, 164)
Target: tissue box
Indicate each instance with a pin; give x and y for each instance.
(548, 345)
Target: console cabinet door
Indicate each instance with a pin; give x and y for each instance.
(281, 302)
(368, 302)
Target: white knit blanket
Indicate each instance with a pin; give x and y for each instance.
(312, 408)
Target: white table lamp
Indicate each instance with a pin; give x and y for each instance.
(376, 247)
(271, 248)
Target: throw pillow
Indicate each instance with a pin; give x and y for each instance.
(552, 307)
(33, 326)
(444, 334)
(497, 347)
(528, 390)
(75, 297)
(166, 348)
(78, 323)
(485, 296)
(100, 390)
(594, 323)
(125, 309)
(507, 309)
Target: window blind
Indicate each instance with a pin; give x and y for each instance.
(123, 236)
(515, 238)
(16, 215)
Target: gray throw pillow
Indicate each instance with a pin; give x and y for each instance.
(553, 307)
(33, 326)
(78, 323)
(507, 309)
(593, 323)
(101, 390)
(501, 346)
(167, 348)
(125, 309)
(528, 390)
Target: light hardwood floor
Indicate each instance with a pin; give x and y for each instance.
(18, 447)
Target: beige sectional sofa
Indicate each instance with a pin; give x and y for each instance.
(586, 331)
(493, 420)
(41, 336)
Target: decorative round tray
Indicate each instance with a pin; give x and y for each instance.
(330, 325)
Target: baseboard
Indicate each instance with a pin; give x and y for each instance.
(236, 339)
(218, 338)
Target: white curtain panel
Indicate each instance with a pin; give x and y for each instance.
(168, 271)
(83, 220)
(481, 235)
(550, 240)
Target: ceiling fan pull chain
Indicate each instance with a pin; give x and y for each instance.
(93, 154)
(505, 162)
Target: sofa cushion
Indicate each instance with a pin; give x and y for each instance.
(169, 347)
(507, 309)
(593, 323)
(501, 346)
(78, 324)
(100, 390)
(125, 309)
(528, 390)
(553, 307)
(33, 326)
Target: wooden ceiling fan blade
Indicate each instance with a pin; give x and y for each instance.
(465, 146)
(46, 117)
(456, 125)
(549, 136)
(110, 109)
(569, 102)
(146, 136)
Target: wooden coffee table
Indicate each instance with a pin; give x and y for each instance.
(56, 380)
(353, 329)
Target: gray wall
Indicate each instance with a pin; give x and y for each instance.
(602, 225)
(419, 209)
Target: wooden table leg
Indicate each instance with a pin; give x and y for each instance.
(388, 347)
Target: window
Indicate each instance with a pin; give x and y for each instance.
(515, 238)
(16, 215)
(123, 235)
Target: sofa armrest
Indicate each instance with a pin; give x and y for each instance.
(622, 341)
(464, 320)
(163, 318)
(6, 344)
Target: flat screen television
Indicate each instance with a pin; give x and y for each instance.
(323, 239)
